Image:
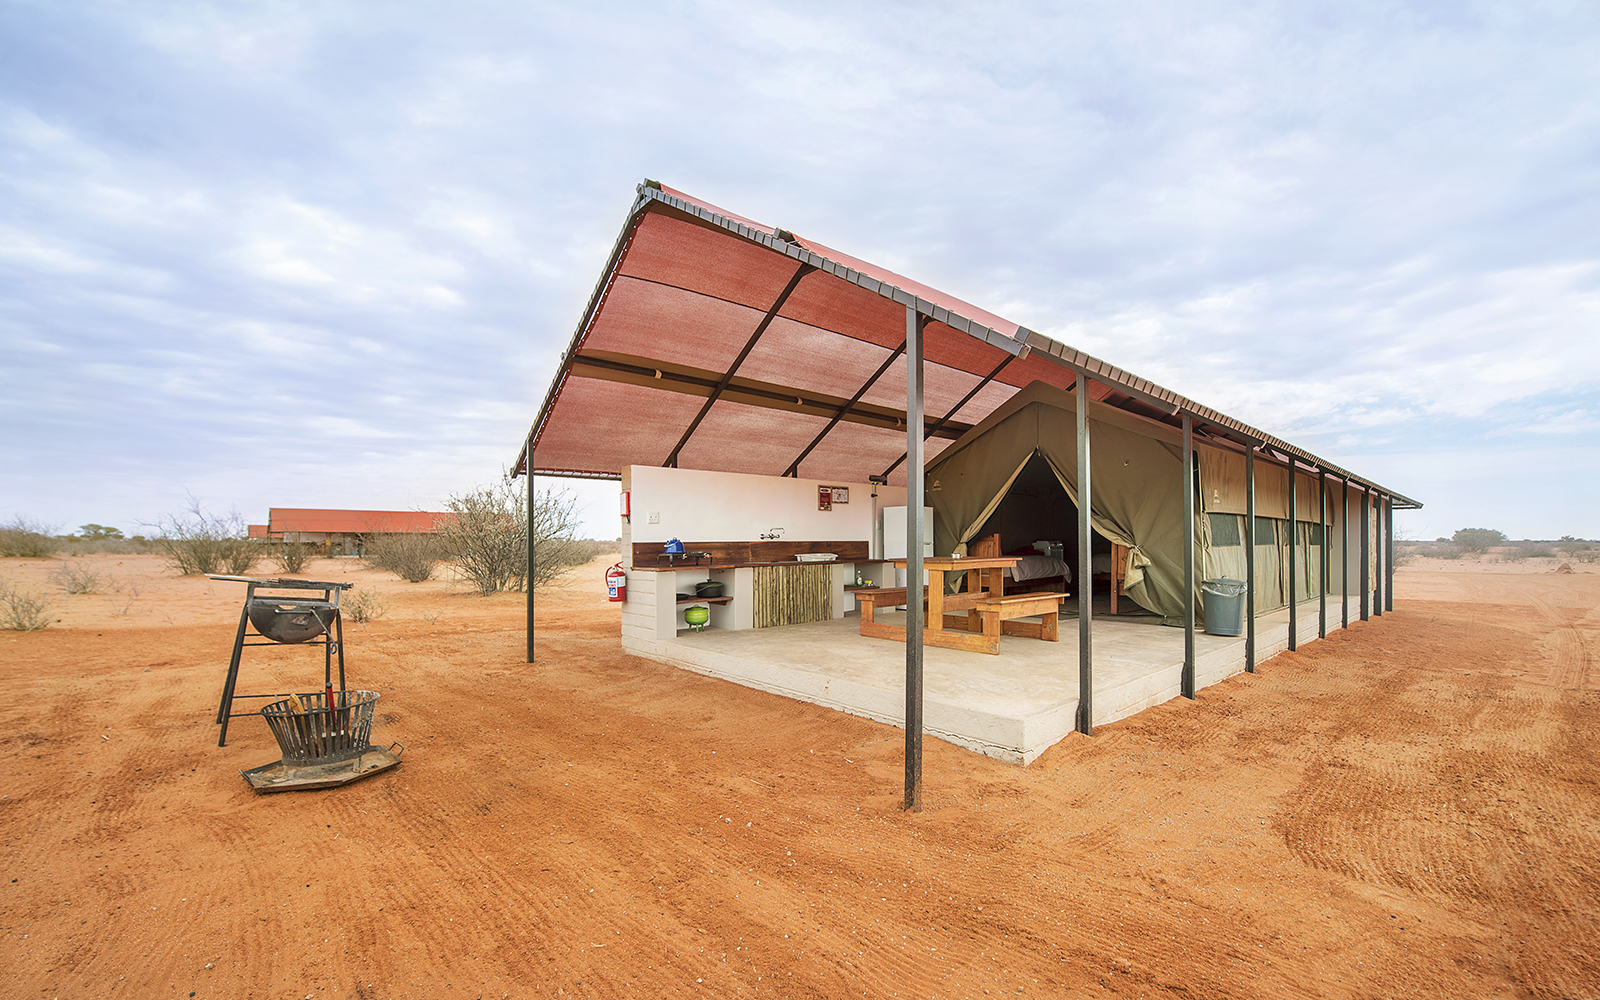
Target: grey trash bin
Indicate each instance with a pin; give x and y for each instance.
(1224, 605)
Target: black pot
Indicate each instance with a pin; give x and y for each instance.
(708, 588)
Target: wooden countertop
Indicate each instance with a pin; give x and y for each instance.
(739, 565)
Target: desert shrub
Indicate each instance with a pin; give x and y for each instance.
(290, 557)
(200, 542)
(1446, 552)
(585, 549)
(75, 579)
(362, 606)
(22, 612)
(77, 545)
(1478, 539)
(488, 536)
(23, 537)
(410, 555)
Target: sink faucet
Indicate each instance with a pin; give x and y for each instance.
(770, 535)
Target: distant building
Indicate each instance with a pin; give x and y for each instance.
(344, 532)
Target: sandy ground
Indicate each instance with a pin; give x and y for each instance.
(1409, 808)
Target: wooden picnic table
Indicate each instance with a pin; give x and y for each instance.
(989, 610)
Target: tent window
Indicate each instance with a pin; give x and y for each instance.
(1266, 531)
(1225, 529)
(1316, 534)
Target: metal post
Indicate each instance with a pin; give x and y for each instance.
(1294, 577)
(1366, 556)
(915, 612)
(1388, 540)
(1250, 559)
(1322, 554)
(1085, 577)
(1344, 554)
(1377, 552)
(1187, 681)
(532, 500)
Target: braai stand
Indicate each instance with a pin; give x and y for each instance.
(284, 619)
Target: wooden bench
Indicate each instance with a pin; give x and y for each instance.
(995, 615)
(868, 599)
(981, 618)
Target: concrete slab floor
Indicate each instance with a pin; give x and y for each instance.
(1012, 706)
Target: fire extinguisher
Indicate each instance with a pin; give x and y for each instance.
(616, 583)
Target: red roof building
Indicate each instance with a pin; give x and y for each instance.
(346, 529)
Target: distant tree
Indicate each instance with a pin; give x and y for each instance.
(98, 531)
(1478, 539)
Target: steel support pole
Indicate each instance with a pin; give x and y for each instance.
(532, 501)
(1344, 554)
(1250, 559)
(1085, 579)
(1366, 555)
(1322, 554)
(1294, 558)
(1378, 537)
(915, 611)
(1388, 563)
(1187, 681)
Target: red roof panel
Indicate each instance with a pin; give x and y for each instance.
(597, 427)
(351, 522)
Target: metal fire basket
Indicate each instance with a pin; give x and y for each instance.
(309, 731)
(297, 617)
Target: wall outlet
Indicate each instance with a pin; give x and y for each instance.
(655, 517)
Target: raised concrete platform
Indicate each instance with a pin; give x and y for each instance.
(1013, 706)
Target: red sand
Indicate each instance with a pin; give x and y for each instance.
(1409, 808)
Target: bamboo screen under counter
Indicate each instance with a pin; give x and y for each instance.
(792, 595)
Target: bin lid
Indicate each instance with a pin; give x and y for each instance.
(1223, 587)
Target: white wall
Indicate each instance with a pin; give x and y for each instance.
(731, 507)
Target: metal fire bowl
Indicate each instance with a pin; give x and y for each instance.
(290, 622)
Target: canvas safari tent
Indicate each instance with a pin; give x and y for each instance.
(1136, 500)
(1136, 485)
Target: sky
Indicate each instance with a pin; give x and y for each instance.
(328, 254)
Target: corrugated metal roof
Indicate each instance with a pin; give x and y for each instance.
(352, 522)
(715, 342)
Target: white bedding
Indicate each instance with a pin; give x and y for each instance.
(1038, 568)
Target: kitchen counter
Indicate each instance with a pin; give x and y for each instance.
(741, 565)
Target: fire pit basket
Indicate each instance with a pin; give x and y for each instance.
(322, 734)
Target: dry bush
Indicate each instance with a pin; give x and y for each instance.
(1478, 539)
(22, 612)
(79, 546)
(290, 557)
(23, 537)
(410, 555)
(74, 579)
(362, 606)
(198, 542)
(488, 536)
(585, 549)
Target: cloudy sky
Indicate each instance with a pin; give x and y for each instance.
(327, 254)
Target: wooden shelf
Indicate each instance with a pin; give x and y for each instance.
(707, 600)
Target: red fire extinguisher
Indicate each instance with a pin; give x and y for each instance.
(616, 583)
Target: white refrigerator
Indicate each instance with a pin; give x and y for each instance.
(894, 538)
